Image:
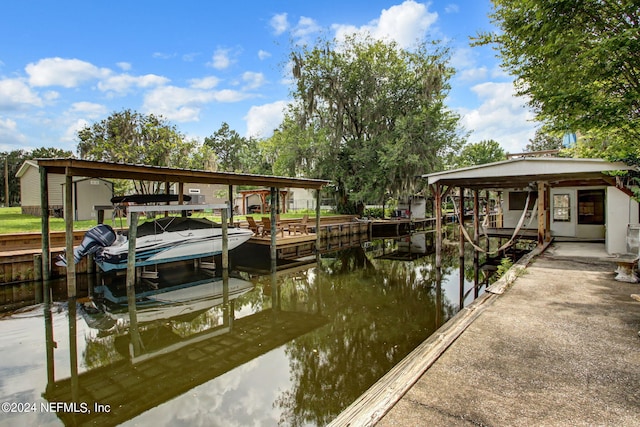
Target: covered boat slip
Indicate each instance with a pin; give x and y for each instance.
(92, 169)
(571, 198)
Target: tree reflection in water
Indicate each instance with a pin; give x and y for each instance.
(378, 311)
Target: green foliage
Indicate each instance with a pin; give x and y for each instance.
(505, 265)
(234, 153)
(374, 213)
(578, 61)
(544, 140)
(479, 153)
(131, 137)
(368, 115)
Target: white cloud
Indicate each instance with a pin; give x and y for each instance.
(263, 54)
(228, 95)
(174, 103)
(204, 83)
(502, 117)
(463, 57)
(71, 133)
(16, 94)
(163, 55)
(452, 8)
(10, 136)
(124, 66)
(190, 57)
(253, 80)
(124, 82)
(63, 72)
(304, 29)
(90, 109)
(473, 74)
(185, 104)
(405, 24)
(279, 23)
(220, 59)
(263, 119)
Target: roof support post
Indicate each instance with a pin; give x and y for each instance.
(44, 215)
(461, 245)
(476, 240)
(544, 215)
(318, 221)
(487, 213)
(231, 207)
(274, 208)
(68, 222)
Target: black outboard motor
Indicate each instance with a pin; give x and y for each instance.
(95, 238)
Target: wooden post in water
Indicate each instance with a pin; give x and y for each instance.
(438, 214)
(225, 242)
(131, 283)
(44, 215)
(68, 221)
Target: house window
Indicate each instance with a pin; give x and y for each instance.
(561, 207)
(517, 199)
(591, 207)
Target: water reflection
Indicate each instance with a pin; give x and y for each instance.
(291, 347)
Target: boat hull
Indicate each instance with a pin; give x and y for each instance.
(170, 247)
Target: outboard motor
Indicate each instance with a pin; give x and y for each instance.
(95, 238)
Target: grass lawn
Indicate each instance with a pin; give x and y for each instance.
(13, 221)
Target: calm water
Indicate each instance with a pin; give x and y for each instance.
(293, 348)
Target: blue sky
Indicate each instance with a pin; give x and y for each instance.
(70, 63)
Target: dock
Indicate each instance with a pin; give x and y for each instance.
(560, 346)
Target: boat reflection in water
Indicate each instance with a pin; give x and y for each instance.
(109, 308)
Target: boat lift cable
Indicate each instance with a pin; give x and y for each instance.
(516, 231)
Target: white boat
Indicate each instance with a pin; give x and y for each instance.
(159, 241)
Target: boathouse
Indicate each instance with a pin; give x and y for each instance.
(582, 199)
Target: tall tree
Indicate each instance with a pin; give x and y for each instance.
(234, 153)
(577, 61)
(543, 140)
(480, 153)
(371, 114)
(131, 137)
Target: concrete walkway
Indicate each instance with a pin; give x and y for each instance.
(559, 348)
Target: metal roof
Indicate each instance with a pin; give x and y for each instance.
(520, 172)
(88, 168)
